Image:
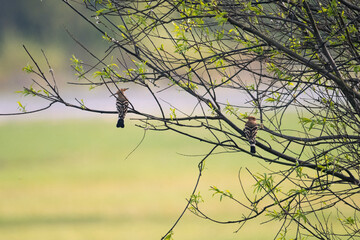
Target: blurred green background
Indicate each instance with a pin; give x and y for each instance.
(69, 179)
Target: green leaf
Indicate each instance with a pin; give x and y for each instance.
(301, 191)
(172, 114)
(275, 215)
(169, 236)
(46, 92)
(348, 221)
(300, 215)
(106, 37)
(357, 68)
(222, 194)
(30, 91)
(100, 11)
(305, 120)
(265, 183)
(82, 104)
(21, 107)
(270, 100)
(196, 199)
(78, 66)
(221, 18)
(311, 125)
(28, 68)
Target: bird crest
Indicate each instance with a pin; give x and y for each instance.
(120, 93)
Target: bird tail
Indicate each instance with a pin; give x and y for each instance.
(120, 123)
(252, 148)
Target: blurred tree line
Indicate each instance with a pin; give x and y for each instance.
(39, 25)
(41, 21)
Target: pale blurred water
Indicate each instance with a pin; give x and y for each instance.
(99, 99)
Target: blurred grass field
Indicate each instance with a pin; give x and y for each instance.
(69, 180)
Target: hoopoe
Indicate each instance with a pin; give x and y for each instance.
(122, 105)
(250, 131)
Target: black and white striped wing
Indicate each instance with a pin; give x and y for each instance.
(250, 133)
(122, 108)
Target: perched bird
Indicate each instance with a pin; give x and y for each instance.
(250, 131)
(122, 105)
